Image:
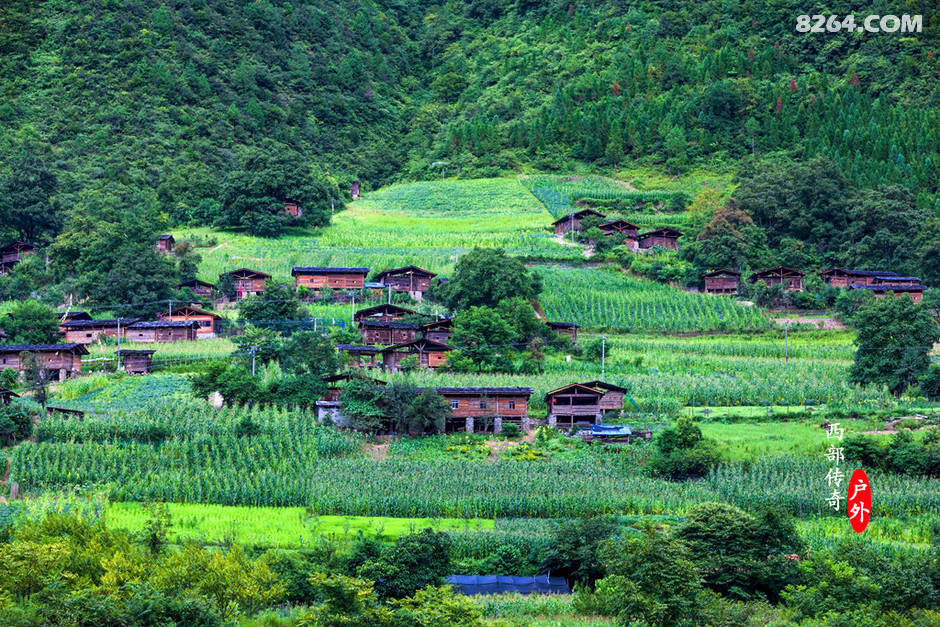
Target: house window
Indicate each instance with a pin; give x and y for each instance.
(482, 404)
(88, 335)
(453, 404)
(511, 404)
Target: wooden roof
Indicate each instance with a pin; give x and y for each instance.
(471, 391)
(889, 288)
(189, 310)
(619, 224)
(578, 215)
(135, 351)
(382, 310)
(412, 270)
(576, 387)
(167, 236)
(6, 392)
(346, 376)
(357, 348)
(662, 232)
(718, 273)
(94, 324)
(163, 324)
(245, 273)
(443, 323)
(195, 283)
(848, 272)
(562, 325)
(779, 272)
(420, 346)
(601, 385)
(18, 246)
(315, 270)
(390, 324)
(44, 348)
(73, 315)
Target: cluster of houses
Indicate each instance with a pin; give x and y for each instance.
(475, 409)
(665, 237)
(388, 339)
(879, 282)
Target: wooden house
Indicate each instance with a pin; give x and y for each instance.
(292, 208)
(574, 403)
(382, 313)
(412, 280)
(438, 331)
(136, 361)
(334, 278)
(162, 331)
(13, 253)
(378, 332)
(355, 189)
(792, 279)
(201, 289)
(572, 221)
(210, 324)
(68, 316)
(722, 282)
(613, 395)
(362, 356)
(568, 328)
(88, 331)
(165, 244)
(7, 396)
(660, 238)
(471, 408)
(430, 354)
(914, 292)
(620, 227)
(64, 358)
(330, 404)
(894, 280)
(248, 282)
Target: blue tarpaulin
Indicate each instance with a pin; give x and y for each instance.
(497, 584)
(613, 430)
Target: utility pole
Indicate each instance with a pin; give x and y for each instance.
(389, 294)
(169, 309)
(603, 356)
(119, 345)
(786, 344)
(253, 350)
(353, 313)
(332, 209)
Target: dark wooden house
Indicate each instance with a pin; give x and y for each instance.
(660, 238)
(914, 292)
(613, 395)
(88, 331)
(722, 282)
(136, 361)
(165, 244)
(66, 359)
(201, 289)
(68, 316)
(355, 189)
(620, 227)
(162, 331)
(792, 279)
(894, 280)
(210, 324)
(382, 313)
(362, 356)
(292, 208)
(7, 396)
(382, 333)
(315, 279)
(248, 282)
(13, 253)
(438, 331)
(430, 354)
(572, 221)
(475, 409)
(572, 404)
(568, 328)
(412, 280)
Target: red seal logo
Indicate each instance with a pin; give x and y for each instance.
(858, 500)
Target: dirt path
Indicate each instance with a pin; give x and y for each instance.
(215, 248)
(377, 451)
(821, 323)
(587, 253)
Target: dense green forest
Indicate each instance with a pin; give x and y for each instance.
(150, 103)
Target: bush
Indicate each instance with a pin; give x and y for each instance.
(511, 431)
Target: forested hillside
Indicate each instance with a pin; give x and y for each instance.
(148, 104)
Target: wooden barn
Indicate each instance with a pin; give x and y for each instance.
(165, 244)
(162, 331)
(660, 238)
(210, 324)
(377, 332)
(571, 404)
(334, 278)
(475, 409)
(382, 313)
(7, 396)
(64, 358)
(411, 280)
(572, 221)
(201, 289)
(613, 395)
(248, 282)
(88, 331)
(914, 292)
(362, 356)
(136, 361)
(430, 354)
(13, 253)
(438, 331)
(722, 282)
(292, 208)
(620, 227)
(568, 328)
(330, 404)
(355, 189)
(791, 279)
